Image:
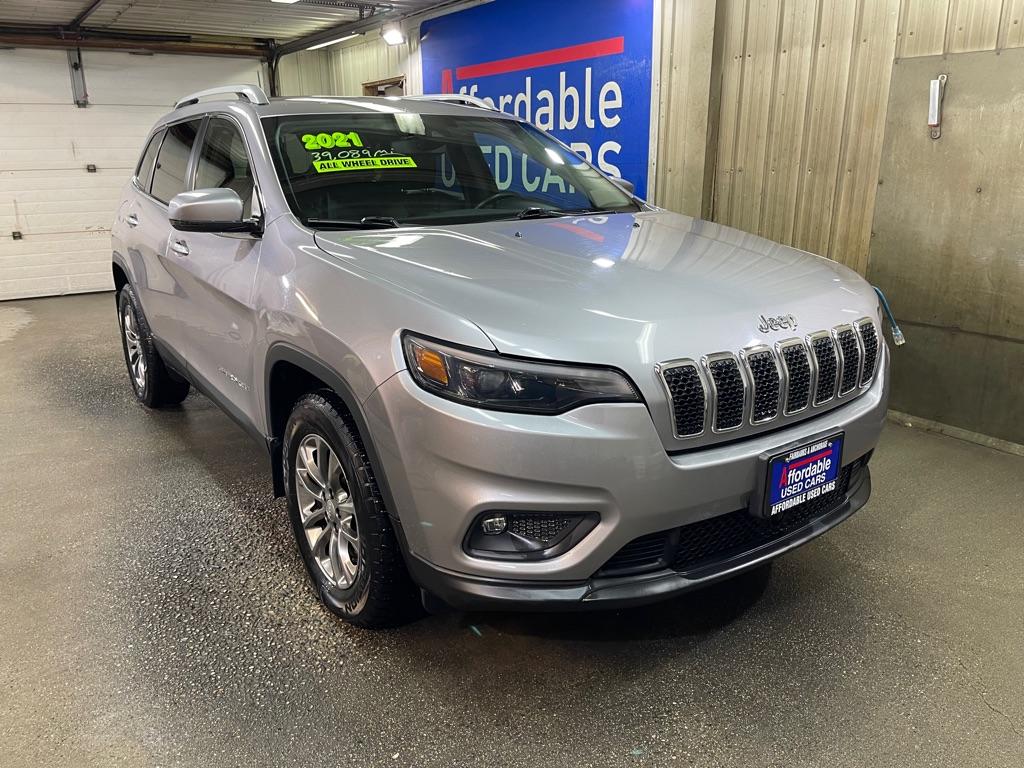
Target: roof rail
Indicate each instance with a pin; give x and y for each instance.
(456, 98)
(251, 93)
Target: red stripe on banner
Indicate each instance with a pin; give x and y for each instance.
(610, 47)
(581, 231)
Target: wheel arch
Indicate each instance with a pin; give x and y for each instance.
(120, 273)
(290, 373)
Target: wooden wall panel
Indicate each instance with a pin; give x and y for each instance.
(973, 25)
(733, 14)
(760, 58)
(922, 27)
(823, 127)
(683, 81)
(870, 74)
(785, 126)
(1012, 33)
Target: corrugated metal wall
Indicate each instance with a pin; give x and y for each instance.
(342, 69)
(307, 73)
(373, 59)
(685, 33)
(804, 89)
(804, 93)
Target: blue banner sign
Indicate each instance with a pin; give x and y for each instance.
(580, 69)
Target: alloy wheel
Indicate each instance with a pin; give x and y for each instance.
(327, 512)
(136, 357)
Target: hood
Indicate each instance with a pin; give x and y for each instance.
(627, 290)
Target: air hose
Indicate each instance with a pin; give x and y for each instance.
(897, 335)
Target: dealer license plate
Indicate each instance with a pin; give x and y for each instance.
(803, 474)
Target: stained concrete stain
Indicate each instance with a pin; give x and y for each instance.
(12, 320)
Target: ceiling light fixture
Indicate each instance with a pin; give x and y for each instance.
(330, 42)
(286, 2)
(392, 34)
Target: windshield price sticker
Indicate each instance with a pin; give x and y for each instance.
(317, 141)
(363, 163)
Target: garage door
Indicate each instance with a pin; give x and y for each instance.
(55, 213)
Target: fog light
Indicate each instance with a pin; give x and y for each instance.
(522, 535)
(492, 525)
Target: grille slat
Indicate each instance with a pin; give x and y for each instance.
(688, 398)
(851, 360)
(729, 393)
(764, 373)
(869, 340)
(798, 373)
(828, 367)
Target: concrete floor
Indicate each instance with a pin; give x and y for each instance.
(153, 612)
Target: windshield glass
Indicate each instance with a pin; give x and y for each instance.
(404, 168)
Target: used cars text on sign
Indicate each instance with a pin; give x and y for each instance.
(587, 83)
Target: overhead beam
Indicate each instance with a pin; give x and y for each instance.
(37, 37)
(85, 14)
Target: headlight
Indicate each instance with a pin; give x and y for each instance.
(500, 383)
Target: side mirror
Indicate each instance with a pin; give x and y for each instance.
(626, 186)
(209, 210)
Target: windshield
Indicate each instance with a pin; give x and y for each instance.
(342, 170)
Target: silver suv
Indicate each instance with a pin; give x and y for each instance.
(485, 374)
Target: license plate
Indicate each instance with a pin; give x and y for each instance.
(803, 474)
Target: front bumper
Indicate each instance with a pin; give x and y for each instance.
(446, 463)
(470, 593)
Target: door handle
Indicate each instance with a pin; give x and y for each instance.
(180, 247)
(133, 220)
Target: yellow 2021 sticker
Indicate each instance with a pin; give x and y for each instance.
(317, 141)
(363, 163)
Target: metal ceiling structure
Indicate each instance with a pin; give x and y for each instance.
(227, 27)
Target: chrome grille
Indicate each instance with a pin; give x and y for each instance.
(730, 392)
(869, 343)
(724, 390)
(689, 403)
(851, 359)
(765, 376)
(798, 373)
(827, 363)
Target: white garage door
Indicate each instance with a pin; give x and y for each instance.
(54, 214)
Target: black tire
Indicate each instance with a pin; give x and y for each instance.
(154, 386)
(380, 594)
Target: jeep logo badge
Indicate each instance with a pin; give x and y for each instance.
(776, 323)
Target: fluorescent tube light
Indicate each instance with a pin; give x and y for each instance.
(332, 42)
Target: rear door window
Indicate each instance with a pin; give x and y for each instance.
(169, 176)
(224, 161)
(144, 173)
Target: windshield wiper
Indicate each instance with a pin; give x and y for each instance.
(539, 213)
(367, 222)
(586, 211)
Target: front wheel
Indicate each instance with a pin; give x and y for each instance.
(154, 386)
(340, 522)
